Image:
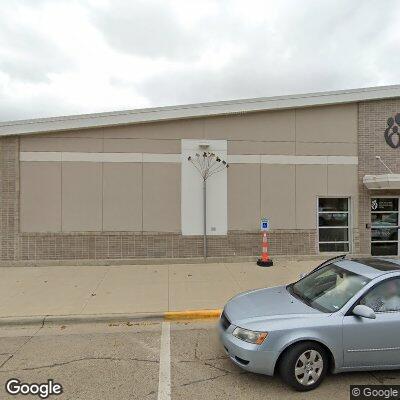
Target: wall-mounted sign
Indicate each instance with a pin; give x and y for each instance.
(264, 226)
(385, 204)
(392, 134)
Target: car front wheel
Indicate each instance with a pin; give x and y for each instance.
(304, 366)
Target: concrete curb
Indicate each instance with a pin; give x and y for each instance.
(192, 314)
(76, 319)
(155, 261)
(117, 262)
(110, 318)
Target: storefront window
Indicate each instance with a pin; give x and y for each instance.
(333, 204)
(333, 224)
(384, 226)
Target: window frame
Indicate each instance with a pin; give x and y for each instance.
(348, 226)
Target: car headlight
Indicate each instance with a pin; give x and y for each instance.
(250, 336)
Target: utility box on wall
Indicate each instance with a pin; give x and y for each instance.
(192, 190)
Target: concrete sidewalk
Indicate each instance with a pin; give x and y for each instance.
(90, 292)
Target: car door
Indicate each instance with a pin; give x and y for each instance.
(375, 342)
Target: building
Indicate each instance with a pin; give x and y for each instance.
(118, 185)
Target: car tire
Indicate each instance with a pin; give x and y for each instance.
(304, 366)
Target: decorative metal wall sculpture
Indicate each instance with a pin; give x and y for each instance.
(392, 134)
(207, 164)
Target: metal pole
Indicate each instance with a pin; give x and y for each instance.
(205, 219)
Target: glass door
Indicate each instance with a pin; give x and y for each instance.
(385, 226)
(333, 224)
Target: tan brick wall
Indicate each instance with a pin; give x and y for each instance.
(372, 117)
(123, 245)
(15, 245)
(9, 198)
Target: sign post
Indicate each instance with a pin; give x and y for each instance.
(264, 261)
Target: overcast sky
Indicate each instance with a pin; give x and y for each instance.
(78, 56)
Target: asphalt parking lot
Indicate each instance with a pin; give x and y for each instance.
(122, 361)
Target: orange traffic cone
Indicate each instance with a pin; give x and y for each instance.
(265, 261)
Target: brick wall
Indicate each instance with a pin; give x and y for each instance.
(16, 246)
(9, 198)
(372, 117)
(120, 245)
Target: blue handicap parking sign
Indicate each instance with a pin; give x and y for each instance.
(264, 224)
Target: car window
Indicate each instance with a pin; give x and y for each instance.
(328, 288)
(384, 297)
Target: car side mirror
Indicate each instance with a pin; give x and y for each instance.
(364, 312)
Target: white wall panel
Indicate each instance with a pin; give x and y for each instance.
(192, 192)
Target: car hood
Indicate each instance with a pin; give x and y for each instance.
(268, 303)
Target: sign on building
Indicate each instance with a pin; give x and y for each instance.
(264, 225)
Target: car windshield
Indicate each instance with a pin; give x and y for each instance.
(328, 288)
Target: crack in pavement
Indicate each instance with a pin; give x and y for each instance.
(218, 368)
(203, 380)
(212, 378)
(233, 277)
(201, 360)
(196, 356)
(195, 348)
(60, 364)
(204, 359)
(215, 358)
(209, 364)
(6, 361)
(22, 345)
(99, 283)
(380, 380)
(205, 362)
(146, 346)
(375, 377)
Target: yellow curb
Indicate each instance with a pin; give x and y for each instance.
(192, 314)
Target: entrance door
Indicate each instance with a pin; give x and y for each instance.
(385, 226)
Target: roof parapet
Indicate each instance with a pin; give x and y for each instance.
(157, 114)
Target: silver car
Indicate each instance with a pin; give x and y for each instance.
(343, 316)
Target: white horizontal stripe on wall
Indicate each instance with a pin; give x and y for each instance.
(343, 160)
(176, 158)
(98, 157)
(101, 157)
(288, 159)
(171, 158)
(40, 156)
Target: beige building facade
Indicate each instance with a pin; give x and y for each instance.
(119, 186)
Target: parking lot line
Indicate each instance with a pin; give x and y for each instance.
(164, 377)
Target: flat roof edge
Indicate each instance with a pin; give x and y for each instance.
(98, 120)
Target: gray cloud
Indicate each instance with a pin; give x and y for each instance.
(140, 53)
(26, 54)
(43, 106)
(325, 46)
(147, 28)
